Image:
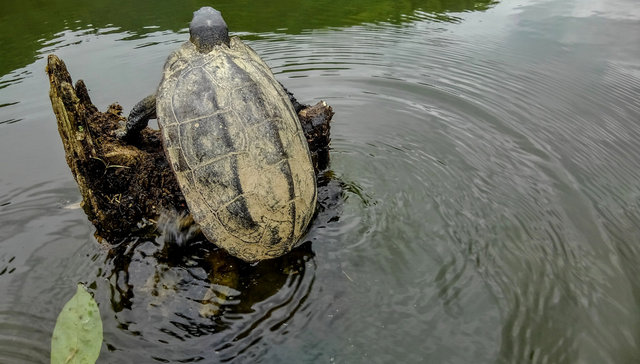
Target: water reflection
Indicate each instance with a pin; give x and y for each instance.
(182, 291)
(203, 294)
(25, 29)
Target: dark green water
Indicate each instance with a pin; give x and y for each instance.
(493, 213)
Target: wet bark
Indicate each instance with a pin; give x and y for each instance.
(125, 186)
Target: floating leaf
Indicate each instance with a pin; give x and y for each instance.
(77, 337)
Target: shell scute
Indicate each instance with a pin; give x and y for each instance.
(267, 148)
(210, 138)
(225, 69)
(194, 97)
(178, 163)
(251, 100)
(218, 183)
(280, 189)
(237, 219)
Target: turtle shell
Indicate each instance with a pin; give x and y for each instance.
(237, 149)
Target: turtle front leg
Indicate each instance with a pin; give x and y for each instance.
(138, 118)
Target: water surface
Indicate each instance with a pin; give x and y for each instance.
(491, 208)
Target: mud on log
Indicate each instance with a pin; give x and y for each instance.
(124, 187)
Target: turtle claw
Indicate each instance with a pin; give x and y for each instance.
(125, 134)
(120, 134)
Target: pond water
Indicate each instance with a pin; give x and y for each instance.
(491, 208)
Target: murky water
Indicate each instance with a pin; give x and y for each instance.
(491, 212)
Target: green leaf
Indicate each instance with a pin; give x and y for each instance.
(77, 337)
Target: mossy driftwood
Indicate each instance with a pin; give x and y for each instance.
(125, 186)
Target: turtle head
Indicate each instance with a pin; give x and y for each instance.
(208, 29)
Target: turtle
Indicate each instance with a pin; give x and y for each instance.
(233, 140)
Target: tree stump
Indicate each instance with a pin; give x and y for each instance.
(125, 186)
